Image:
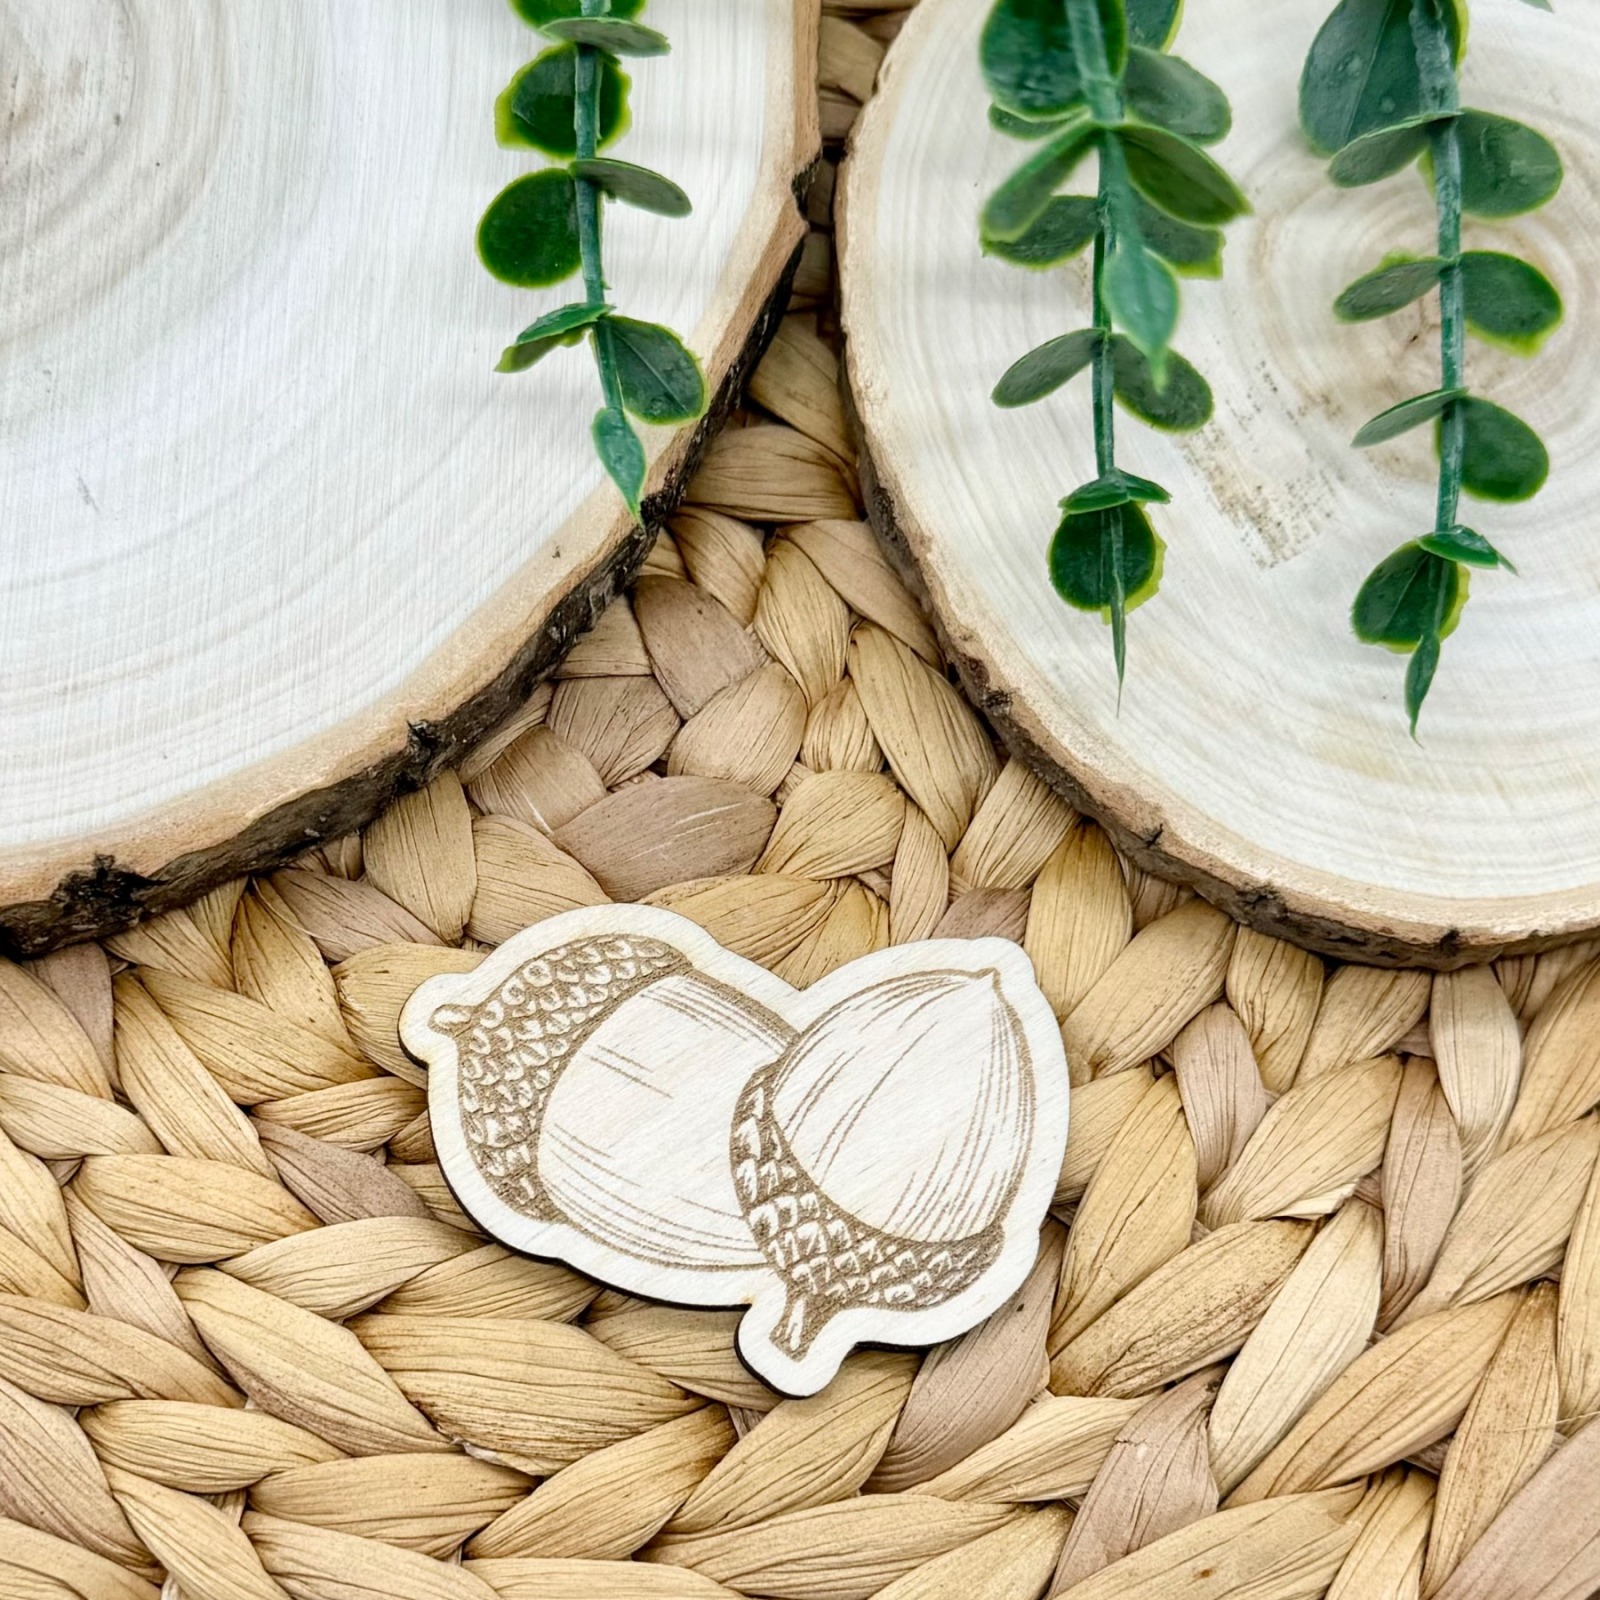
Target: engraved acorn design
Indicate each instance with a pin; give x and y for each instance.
(614, 1090)
(858, 1093)
(586, 1097)
(515, 1045)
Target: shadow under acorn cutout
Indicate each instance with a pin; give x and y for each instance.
(868, 1159)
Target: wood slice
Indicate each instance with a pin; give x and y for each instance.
(1260, 752)
(278, 541)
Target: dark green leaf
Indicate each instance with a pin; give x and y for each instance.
(1180, 404)
(1044, 369)
(1028, 58)
(1506, 168)
(1180, 177)
(660, 379)
(1142, 295)
(563, 327)
(1375, 156)
(1466, 546)
(1506, 459)
(1107, 561)
(1395, 284)
(1193, 252)
(611, 34)
(1152, 23)
(1408, 596)
(527, 353)
(529, 234)
(638, 186)
(1015, 127)
(1059, 232)
(1404, 417)
(1509, 302)
(1018, 203)
(1173, 95)
(537, 109)
(620, 454)
(1419, 677)
(1115, 488)
(539, 12)
(1361, 73)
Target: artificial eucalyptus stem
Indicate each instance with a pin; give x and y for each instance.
(586, 125)
(1381, 89)
(1453, 322)
(1103, 379)
(546, 226)
(1081, 77)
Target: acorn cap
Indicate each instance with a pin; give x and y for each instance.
(513, 1046)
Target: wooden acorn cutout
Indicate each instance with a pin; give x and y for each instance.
(868, 1159)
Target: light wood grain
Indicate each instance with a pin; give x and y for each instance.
(279, 542)
(1260, 752)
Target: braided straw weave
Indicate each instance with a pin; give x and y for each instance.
(1317, 1313)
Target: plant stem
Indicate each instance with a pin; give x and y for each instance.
(1453, 320)
(586, 88)
(1441, 95)
(1105, 423)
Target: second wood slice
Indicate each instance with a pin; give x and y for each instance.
(1260, 752)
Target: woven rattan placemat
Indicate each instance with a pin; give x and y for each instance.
(1318, 1311)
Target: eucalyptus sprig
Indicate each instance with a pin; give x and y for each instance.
(570, 102)
(1077, 77)
(1380, 93)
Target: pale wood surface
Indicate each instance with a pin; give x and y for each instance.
(272, 526)
(867, 1159)
(1260, 751)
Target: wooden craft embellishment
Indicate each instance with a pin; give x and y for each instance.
(868, 1159)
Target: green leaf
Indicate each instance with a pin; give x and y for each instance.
(1506, 459)
(1028, 59)
(537, 108)
(529, 234)
(1375, 156)
(611, 34)
(1506, 168)
(1407, 415)
(1407, 596)
(1045, 368)
(1142, 295)
(1107, 561)
(1397, 283)
(1180, 177)
(637, 186)
(538, 12)
(620, 454)
(1180, 404)
(1361, 73)
(1059, 232)
(1152, 23)
(660, 379)
(1018, 203)
(1192, 252)
(1115, 488)
(1015, 127)
(1173, 95)
(563, 327)
(1509, 302)
(1419, 677)
(1466, 546)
